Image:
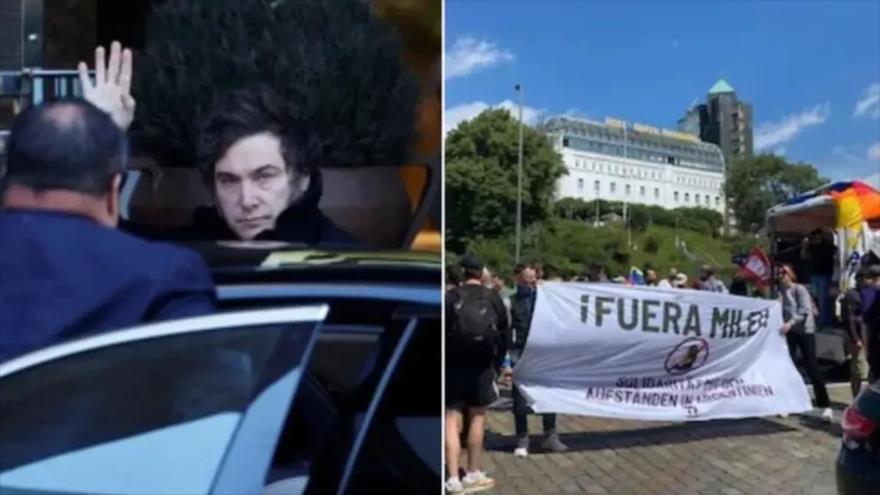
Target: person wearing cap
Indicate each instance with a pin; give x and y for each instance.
(799, 328)
(59, 245)
(680, 281)
(857, 334)
(476, 343)
(709, 282)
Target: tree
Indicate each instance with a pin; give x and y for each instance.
(481, 178)
(755, 184)
(338, 67)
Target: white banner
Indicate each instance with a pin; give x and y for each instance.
(657, 354)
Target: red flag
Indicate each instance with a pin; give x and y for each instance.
(757, 268)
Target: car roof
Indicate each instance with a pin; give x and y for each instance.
(270, 262)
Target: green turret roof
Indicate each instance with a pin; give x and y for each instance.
(721, 87)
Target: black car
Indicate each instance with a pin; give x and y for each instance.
(858, 463)
(320, 375)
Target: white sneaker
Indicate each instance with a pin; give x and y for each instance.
(477, 482)
(520, 452)
(827, 415)
(454, 486)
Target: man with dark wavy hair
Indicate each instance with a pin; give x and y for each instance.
(261, 171)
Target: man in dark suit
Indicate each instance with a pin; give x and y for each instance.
(65, 270)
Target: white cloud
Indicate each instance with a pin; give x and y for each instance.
(466, 111)
(874, 151)
(870, 103)
(469, 55)
(575, 113)
(780, 151)
(873, 180)
(770, 134)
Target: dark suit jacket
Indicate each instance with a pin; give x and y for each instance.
(64, 276)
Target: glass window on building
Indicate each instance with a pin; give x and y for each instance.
(613, 187)
(717, 201)
(580, 184)
(628, 189)
(642, 191)
(656, 193)
(707, 200)
(676, 196)
(687, 197)
(597, 186)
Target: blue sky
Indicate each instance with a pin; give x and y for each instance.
(810, 69)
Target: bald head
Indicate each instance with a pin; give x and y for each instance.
(65, 155)
(64, 145)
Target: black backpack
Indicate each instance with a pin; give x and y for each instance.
(476, 322)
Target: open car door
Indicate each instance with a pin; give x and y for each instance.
(191, 406)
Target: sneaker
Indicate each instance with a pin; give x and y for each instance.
(553, 444)
(454, 486)
(477, 482)
(827, 415)
(522, 447)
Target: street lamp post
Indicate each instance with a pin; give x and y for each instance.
(519, 176)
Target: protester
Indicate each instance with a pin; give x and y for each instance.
(596, 273)
(857, 335)
(651, 277)
(818, 251)
(258, 163)
(708, 281)
(870, 304)
(739, 287)
(680, 281)
(522, 309)
(799, 328)
(476, 343)
(667, 283)
(60, 248)
(517, 273)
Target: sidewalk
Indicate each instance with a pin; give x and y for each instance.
(777, 456)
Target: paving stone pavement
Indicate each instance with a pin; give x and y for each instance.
(778, 456)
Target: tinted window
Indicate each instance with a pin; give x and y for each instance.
(127, 418)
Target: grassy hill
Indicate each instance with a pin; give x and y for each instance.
(571, 245)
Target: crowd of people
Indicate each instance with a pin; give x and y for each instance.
(488, 328)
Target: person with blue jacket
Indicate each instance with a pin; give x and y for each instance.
(66, 271)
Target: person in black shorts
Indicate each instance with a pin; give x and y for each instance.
(476, 342)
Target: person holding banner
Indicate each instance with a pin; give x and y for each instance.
(799, 328)
(522, 309)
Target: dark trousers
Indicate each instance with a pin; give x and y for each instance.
(521, 414)
(807, 345)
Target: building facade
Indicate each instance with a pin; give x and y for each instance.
(726, 121)
(723, 120)
(633, 163)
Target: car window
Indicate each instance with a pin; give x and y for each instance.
(124, 412)
(401, 446)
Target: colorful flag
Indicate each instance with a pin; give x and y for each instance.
(757, 268)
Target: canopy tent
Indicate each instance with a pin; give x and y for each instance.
(839, 205)
(850, 208)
